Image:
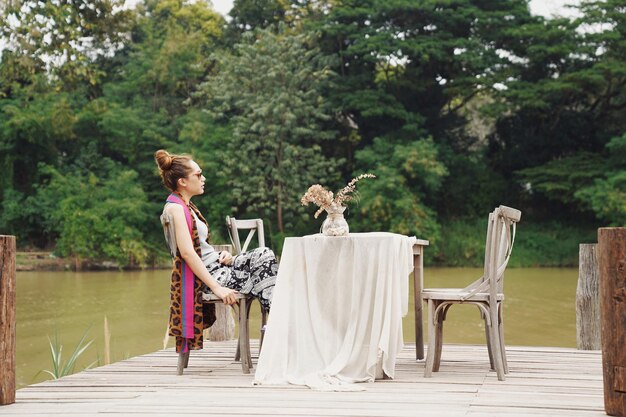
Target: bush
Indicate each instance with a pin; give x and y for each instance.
(536, 244)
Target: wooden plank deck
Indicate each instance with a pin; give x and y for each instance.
(542, 382)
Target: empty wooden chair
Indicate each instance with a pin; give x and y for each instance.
(486, 293)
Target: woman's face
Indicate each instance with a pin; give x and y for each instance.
(194, 182)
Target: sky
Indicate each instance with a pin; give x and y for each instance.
(551, 8)
(223, 6)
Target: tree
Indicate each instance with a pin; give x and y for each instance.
(97, 216)
(76, 90)
(406, 174)
(586, 182)
(248, 15)
(270, 88)
(51, 65)
(34, 128)
(150, 92)
(408, 63)
(64, 37)
(408, 70)
(563, 102)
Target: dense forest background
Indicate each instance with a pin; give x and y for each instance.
(456, 106)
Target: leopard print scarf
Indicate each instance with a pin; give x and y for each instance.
(189, 316)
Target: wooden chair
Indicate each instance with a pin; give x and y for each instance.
(486, 293)
(253, 226)
(242, 308)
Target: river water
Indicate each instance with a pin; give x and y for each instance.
(539, 311)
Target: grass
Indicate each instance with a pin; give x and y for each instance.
(61, 368)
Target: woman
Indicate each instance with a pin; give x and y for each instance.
(198, 267)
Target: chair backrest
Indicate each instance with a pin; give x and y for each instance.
(502, 239)
(252, 226)
(501, 229)
(169, 232)
(234, 227)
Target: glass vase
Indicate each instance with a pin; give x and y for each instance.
(335, 224)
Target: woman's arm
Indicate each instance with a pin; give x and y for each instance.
(188, 253)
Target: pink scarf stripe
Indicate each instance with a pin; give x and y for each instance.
(188, 278)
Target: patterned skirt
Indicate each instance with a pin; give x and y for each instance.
(253, 272)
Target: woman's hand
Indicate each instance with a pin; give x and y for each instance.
(227, 295)
(225, 258)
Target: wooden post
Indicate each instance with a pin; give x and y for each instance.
(7, 320)
(588, 299)
(224, 326)
(418, 286)
(612, 268)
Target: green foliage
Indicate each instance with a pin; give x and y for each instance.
(96, 216)
(34, 128)
(587, 181)
(405, 173)
(65, 35)
(549, 244)
(562, 102)
(257, 14)
(471, 187)
(270, 90)
(606, 196)
(560, 179)
(389, 204)
(403, 62)
(552, 244)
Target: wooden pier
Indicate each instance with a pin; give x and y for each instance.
(542, 382)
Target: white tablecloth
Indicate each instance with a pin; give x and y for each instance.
(337, 308)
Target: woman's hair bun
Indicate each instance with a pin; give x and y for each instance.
(172, 167)
(163, 159)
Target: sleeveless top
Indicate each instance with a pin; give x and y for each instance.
(208, 254)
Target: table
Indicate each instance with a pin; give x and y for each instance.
(337, 309)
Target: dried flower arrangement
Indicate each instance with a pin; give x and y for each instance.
(325, 199)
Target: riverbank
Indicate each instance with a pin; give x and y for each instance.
(40, 261)
(47, 261)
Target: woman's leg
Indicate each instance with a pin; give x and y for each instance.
(255, 271)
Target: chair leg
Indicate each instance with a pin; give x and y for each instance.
(495, 343)
(244, 339)
(489, 347)
(501, 333)
(439, 336)
(248, 306)
(183, 361)
(430, 353)
(238, 352)
(263, 323)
